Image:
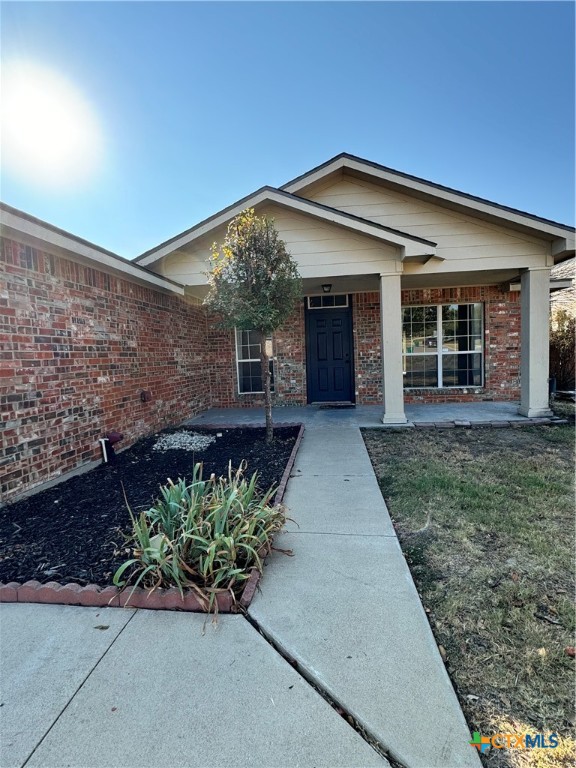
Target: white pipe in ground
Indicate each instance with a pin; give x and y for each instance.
(103, 441)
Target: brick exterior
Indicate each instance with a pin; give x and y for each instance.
(77, 347)
(501, 347)
(501, 343)
(289, 365)
(501, 352)
(367, 360)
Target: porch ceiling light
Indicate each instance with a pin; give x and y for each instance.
(326, 287)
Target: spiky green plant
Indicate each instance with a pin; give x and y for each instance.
(204, 535)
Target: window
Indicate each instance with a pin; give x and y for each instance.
(248, 362)
(328, 300)
(443, 345)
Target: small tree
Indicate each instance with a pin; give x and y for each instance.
(253, 285)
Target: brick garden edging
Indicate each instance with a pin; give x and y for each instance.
(551, 421)
(93, 595)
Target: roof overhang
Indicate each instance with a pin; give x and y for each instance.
(561, 235)
(20, 226)
(410, 246)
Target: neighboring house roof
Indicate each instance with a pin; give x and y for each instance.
(417, 185)
(41, 233)
(563, 277)
(565, 270)
(414, 246)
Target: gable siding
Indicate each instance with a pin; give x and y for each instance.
(459, 237)
(317, 247)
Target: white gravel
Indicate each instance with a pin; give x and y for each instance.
(184, 441)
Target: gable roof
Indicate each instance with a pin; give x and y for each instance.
(15, 223)
(412, 245)
(424, 188)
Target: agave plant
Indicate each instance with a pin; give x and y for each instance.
(204, 535)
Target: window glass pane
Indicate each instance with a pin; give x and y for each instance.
(327, 301)
(462, 370)
(315, 301)
(340, 301)
(249, 378)
(460, 344)
(420, 329)
(248, 343)
(249, 367)
(421, 371)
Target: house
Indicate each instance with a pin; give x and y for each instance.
(413, 292)
(562, 284)
(446, 267)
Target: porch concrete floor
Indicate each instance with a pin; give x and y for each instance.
(365, 415)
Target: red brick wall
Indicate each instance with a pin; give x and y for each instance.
(289, 365)
(367, 361)
(501, 349)
(77, 346)
(502, 360)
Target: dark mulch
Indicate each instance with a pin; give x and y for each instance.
(69, 533)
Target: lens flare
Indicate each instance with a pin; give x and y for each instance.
(50, 133)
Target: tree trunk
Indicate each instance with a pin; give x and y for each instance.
(265, 362)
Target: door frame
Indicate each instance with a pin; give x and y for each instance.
(349, 311)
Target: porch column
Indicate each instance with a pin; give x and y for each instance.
(534, 349)
(391, 349)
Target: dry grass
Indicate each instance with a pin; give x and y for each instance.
(564, 408)
(486, 521)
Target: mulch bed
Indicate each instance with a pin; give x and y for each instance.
(72, 532)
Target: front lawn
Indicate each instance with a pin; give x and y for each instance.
(485, 518)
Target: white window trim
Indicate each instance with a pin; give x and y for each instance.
(247, 360)
(324, 295)
(439, 351)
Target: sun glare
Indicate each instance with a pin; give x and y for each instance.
(50, 134)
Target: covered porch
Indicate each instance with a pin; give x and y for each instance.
(509, 345)
(441, 415)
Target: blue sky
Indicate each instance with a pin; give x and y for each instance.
(199, 104)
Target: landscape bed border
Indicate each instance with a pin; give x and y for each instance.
(93, 595)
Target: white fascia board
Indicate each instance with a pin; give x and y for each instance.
(337, 164)
(100, 259)
(562, 246)
(204, 229)
(555, 285)
(412, 247)
(432, 191)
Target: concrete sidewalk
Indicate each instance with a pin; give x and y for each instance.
(118, 688)
(346, 609)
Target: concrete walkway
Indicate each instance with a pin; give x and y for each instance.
(118, 688)
(114, 687)
(346, 609)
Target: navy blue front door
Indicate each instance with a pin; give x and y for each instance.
(329, 355)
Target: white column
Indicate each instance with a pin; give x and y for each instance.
(534, 349)
(391, 349)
